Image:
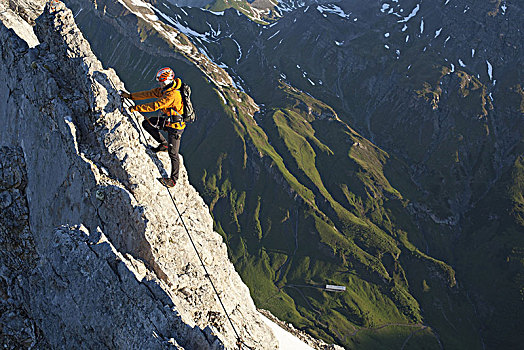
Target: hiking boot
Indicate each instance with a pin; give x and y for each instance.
(160, 148)
(167, 181)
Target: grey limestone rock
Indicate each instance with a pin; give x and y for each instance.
(17, 254)
(97, 301)
(63, 294)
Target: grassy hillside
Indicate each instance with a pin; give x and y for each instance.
(493, 255)
(261, 12)
(335, 228)
(303, 198)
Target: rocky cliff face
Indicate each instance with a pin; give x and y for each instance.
(20, 16)
(17, 254)
(93, 253)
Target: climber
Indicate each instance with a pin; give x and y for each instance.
(170, 106)
(53, 5)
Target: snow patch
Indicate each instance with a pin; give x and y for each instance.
(216, 13)
(185, 13)
(278, 31)
(462, 64)
(411, 15)
(217, 32)
(239, 50)
(490, 70)
(181, 28)
(78, 12)
(333, 9)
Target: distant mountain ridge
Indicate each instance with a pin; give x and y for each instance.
(191, 3)
(262, 11)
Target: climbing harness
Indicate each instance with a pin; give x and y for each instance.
(175, 125)
(163, 122)
(160, 123)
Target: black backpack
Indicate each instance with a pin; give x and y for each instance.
(189, 115)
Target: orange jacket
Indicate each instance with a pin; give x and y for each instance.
(169, 101)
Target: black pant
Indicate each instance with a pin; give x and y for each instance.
(153, 126)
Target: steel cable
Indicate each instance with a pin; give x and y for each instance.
(239, 340)
(205, 269)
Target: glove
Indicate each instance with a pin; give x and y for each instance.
(124, 94)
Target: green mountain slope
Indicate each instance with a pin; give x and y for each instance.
(304, 198)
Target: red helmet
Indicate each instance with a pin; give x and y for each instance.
(165, 76)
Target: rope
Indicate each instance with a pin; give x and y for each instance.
(239, 341)
(137, 121)
(122, 100)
